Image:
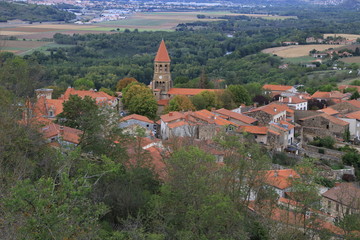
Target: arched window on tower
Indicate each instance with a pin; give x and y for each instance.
(165, 66)
(156, 67)
(160, 68)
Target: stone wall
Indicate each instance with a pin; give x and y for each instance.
(262, 117)
(299, 114)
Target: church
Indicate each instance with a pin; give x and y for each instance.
(162, 84)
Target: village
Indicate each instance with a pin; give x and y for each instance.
(284, 126)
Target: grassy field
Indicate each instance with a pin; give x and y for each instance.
(347, 36)
(351, 60)
(299, 60)
(26, 47)
(295, 51)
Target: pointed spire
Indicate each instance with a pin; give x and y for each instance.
(162, 53)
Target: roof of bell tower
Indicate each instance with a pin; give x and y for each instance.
(162, 53)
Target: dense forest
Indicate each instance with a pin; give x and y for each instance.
(32, 12)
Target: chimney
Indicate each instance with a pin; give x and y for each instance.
(255, 105)
(301, 96)
(213, 109)
(275, 109)
(290, 99)
(61, 130)
(170, 114)
(276, 173)
(281, 99)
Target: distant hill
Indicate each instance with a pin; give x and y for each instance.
(32, 12)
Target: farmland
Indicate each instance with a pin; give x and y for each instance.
(347, 36)
(351, 60)
(295, 51)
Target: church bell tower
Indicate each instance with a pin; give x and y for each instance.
(162, 78)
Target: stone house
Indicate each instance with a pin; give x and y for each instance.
(286, 131)
(63, 136)
(347, 106)
(269, 113)
(341, 200)
(136, 120)
(280, 180)
(199, 125)
(322, 125)
(354, 123)
(334, 96)
(259, 132)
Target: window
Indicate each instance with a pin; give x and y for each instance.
(327, 126)
(329, 204)
(147, 125)
(337, 207)
(51, 113)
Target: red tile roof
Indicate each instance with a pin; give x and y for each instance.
(354, 115)
(100, 97)
(281, 179)
(172, 116)
(273, 132)
(330, 118)
(276, 87)
(177, 124)
(355, 103)
(283, 125)
(271, 109)
(136, 117)
(237, 116)
(254, 129)
(67, 134)
(189, 91)
(211, 117)
(162, 54)
(330, 111)
(332, 95)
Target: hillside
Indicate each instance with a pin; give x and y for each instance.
(32, 12)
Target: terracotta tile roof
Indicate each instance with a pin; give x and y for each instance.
(237, 116)
(293, 100)
(330, 118)
(189, 91)
(330, 111)
(162, 54)
(68, 134)
(100, 97)
(281, 179)
(345, 193)
(353, 115)
(276, 87)
(254, 129)
(177, 124)
(136, 117)
(172, 116)
(271, 109)
(163, 102)
(355, 103)
(157, 161)
(273, 132)
(332, 95)
(212, 118)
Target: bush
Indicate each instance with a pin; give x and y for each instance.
(327, 142)
(322, 151)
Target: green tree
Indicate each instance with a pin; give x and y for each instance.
(241, 95)
(355, 95)
(139, 99)
(180, 103)
(352, 158)
(84, 84)
(123, 83)
(79, 113)
(51, 209)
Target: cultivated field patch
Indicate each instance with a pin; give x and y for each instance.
(350, 60)
(298, 50)
(347, 36)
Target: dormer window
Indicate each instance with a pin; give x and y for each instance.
(51, 113)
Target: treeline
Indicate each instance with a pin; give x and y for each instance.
(32, 12)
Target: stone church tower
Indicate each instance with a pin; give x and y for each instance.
(162, 78)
